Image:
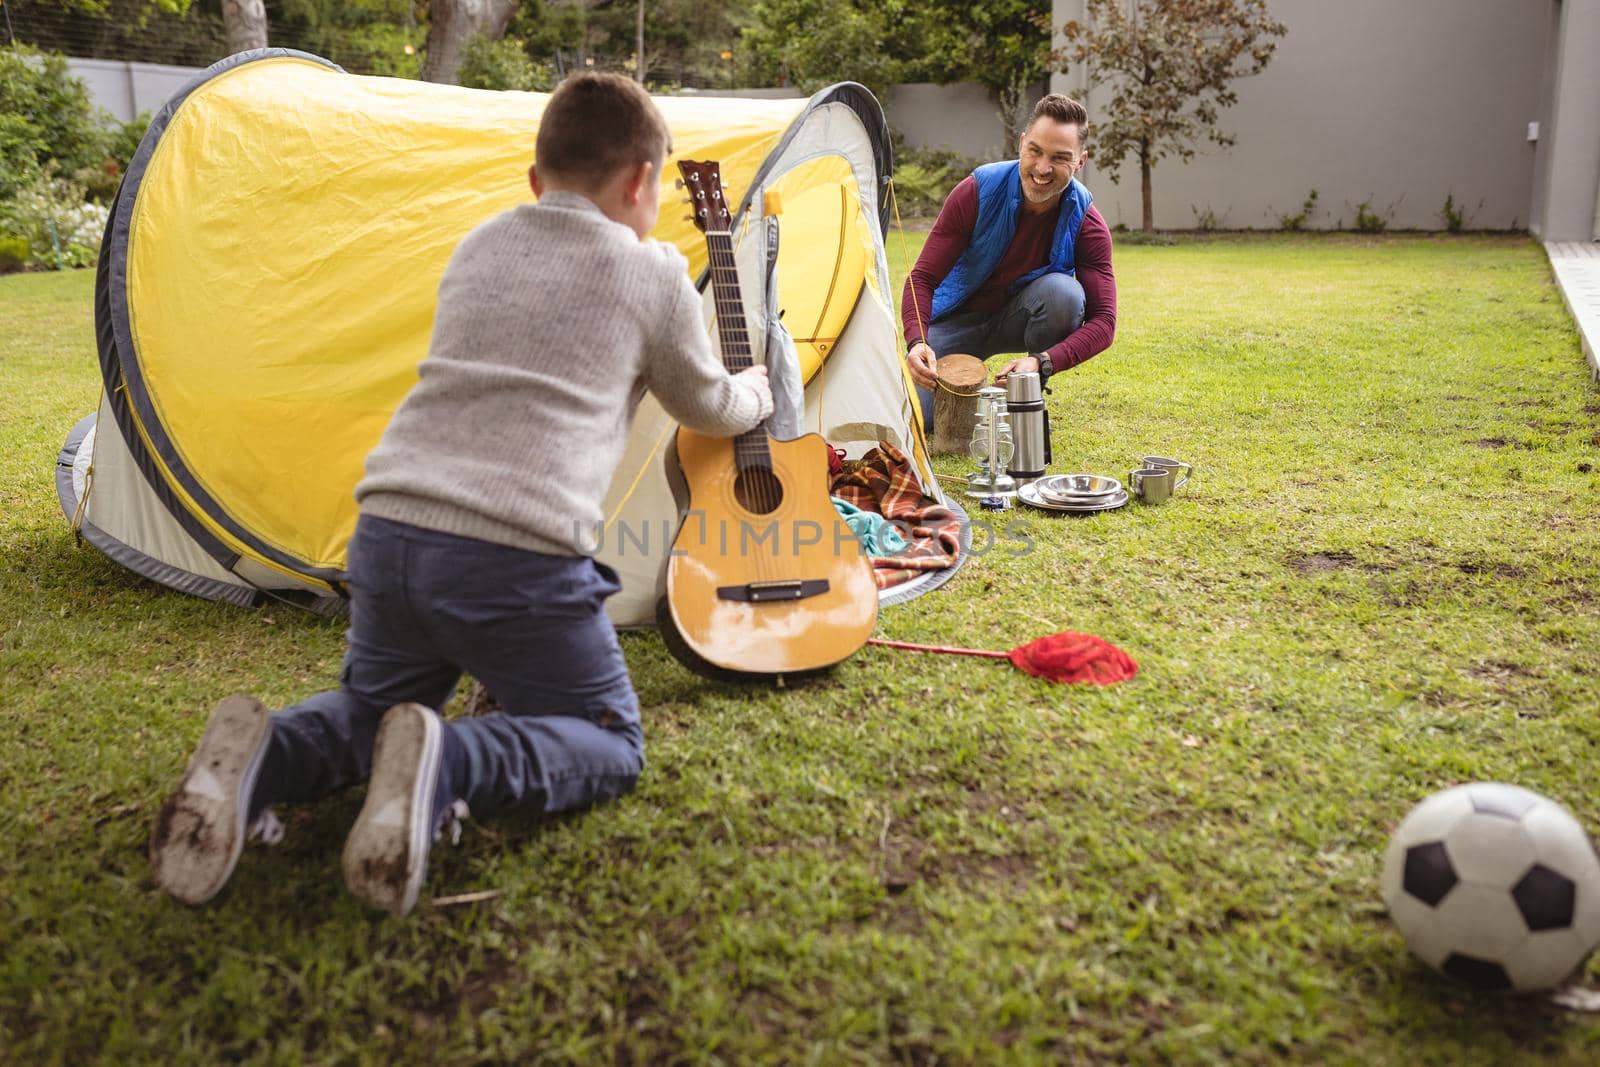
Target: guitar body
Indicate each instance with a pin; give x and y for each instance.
(764, 578)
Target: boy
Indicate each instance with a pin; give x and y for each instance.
(552, 320)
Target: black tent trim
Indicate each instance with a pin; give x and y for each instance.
(857, 98)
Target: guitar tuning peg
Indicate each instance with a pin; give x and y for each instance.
(688, 218)
(677, 183)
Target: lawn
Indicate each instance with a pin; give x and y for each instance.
(1383, 580)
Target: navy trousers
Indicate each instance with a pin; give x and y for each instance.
(1038, 316)
(426, 606)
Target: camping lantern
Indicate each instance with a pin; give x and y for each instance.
(991, 446)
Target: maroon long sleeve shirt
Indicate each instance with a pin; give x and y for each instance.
(1029, 250)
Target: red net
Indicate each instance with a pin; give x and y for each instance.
(1070, 657)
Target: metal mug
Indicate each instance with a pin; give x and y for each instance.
(1152, 485)
(1173, 465)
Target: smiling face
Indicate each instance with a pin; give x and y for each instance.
(1051, 153)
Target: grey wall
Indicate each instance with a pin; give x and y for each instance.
(958, 117)
(125, 89)
(961, 118)
(1399, 103)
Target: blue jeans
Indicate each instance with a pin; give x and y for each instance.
(426, 606)
(1041, 314)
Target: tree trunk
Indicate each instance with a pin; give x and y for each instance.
(1008, 103)
(1145, 167)
(638, 46)
(245, 22)
(452, 24)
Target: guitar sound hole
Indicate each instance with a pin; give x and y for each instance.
(758, 490)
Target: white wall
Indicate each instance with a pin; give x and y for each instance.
(1399, 103)
(1567, 179)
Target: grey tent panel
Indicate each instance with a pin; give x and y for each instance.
(146, 566)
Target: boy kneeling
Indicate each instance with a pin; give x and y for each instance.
(552, 319)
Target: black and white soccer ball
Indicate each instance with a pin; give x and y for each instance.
(1494, 885)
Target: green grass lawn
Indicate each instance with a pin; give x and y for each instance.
(1384, 579)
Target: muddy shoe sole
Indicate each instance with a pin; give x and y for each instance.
(201, 828)
(386, 854)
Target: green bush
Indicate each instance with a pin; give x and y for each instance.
(122, 141)
(502, 64)
(1298, 221)
(14, 254)
(45, 115)
(923, 177)
(1457, 217)
(920, 190)
(1369, 221)
(52, 212)
(1207, 219)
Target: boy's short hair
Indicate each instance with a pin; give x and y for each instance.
(1061, 108)
(597, 124)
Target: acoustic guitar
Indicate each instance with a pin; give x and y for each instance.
(764, 579)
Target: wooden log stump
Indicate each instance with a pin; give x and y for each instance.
(954, 411)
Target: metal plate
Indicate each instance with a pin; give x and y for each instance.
(1029, 494)
(1077, 488)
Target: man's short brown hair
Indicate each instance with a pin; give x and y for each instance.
(596, 125)
(1061, 109)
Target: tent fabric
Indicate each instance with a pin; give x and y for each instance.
(267, 286)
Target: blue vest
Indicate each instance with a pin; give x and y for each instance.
(999, 200)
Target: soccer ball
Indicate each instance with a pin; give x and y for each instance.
(1494, 885)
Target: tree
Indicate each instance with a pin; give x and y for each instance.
(813, 43)
(452, 24)
(502, 64)
(362, 36)
(1003, 45)
(1170, 65)
(246, 24)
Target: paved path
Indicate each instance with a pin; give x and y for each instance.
(1577, 269)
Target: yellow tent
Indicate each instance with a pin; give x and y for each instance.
(267, 285)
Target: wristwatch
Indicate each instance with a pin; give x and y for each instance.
(1046, 367)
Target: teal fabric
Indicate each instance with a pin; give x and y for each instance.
(876, 533)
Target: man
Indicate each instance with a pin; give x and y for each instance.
(1018, 261)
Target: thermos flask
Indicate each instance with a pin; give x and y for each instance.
(1030, 426)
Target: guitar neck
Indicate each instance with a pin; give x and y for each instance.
(751, 447)
(736, 354)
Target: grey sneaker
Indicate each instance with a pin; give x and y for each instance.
(386, 854)
(201, 829)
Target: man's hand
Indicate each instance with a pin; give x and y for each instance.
(1021, 366)
(922, 362)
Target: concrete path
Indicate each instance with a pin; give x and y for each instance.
(1577, 268)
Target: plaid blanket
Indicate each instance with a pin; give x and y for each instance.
(883, 481)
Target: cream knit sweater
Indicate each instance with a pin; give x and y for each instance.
(552, 321)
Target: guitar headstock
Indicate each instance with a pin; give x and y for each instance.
(703, 179)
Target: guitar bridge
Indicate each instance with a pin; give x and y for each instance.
(770, 592)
